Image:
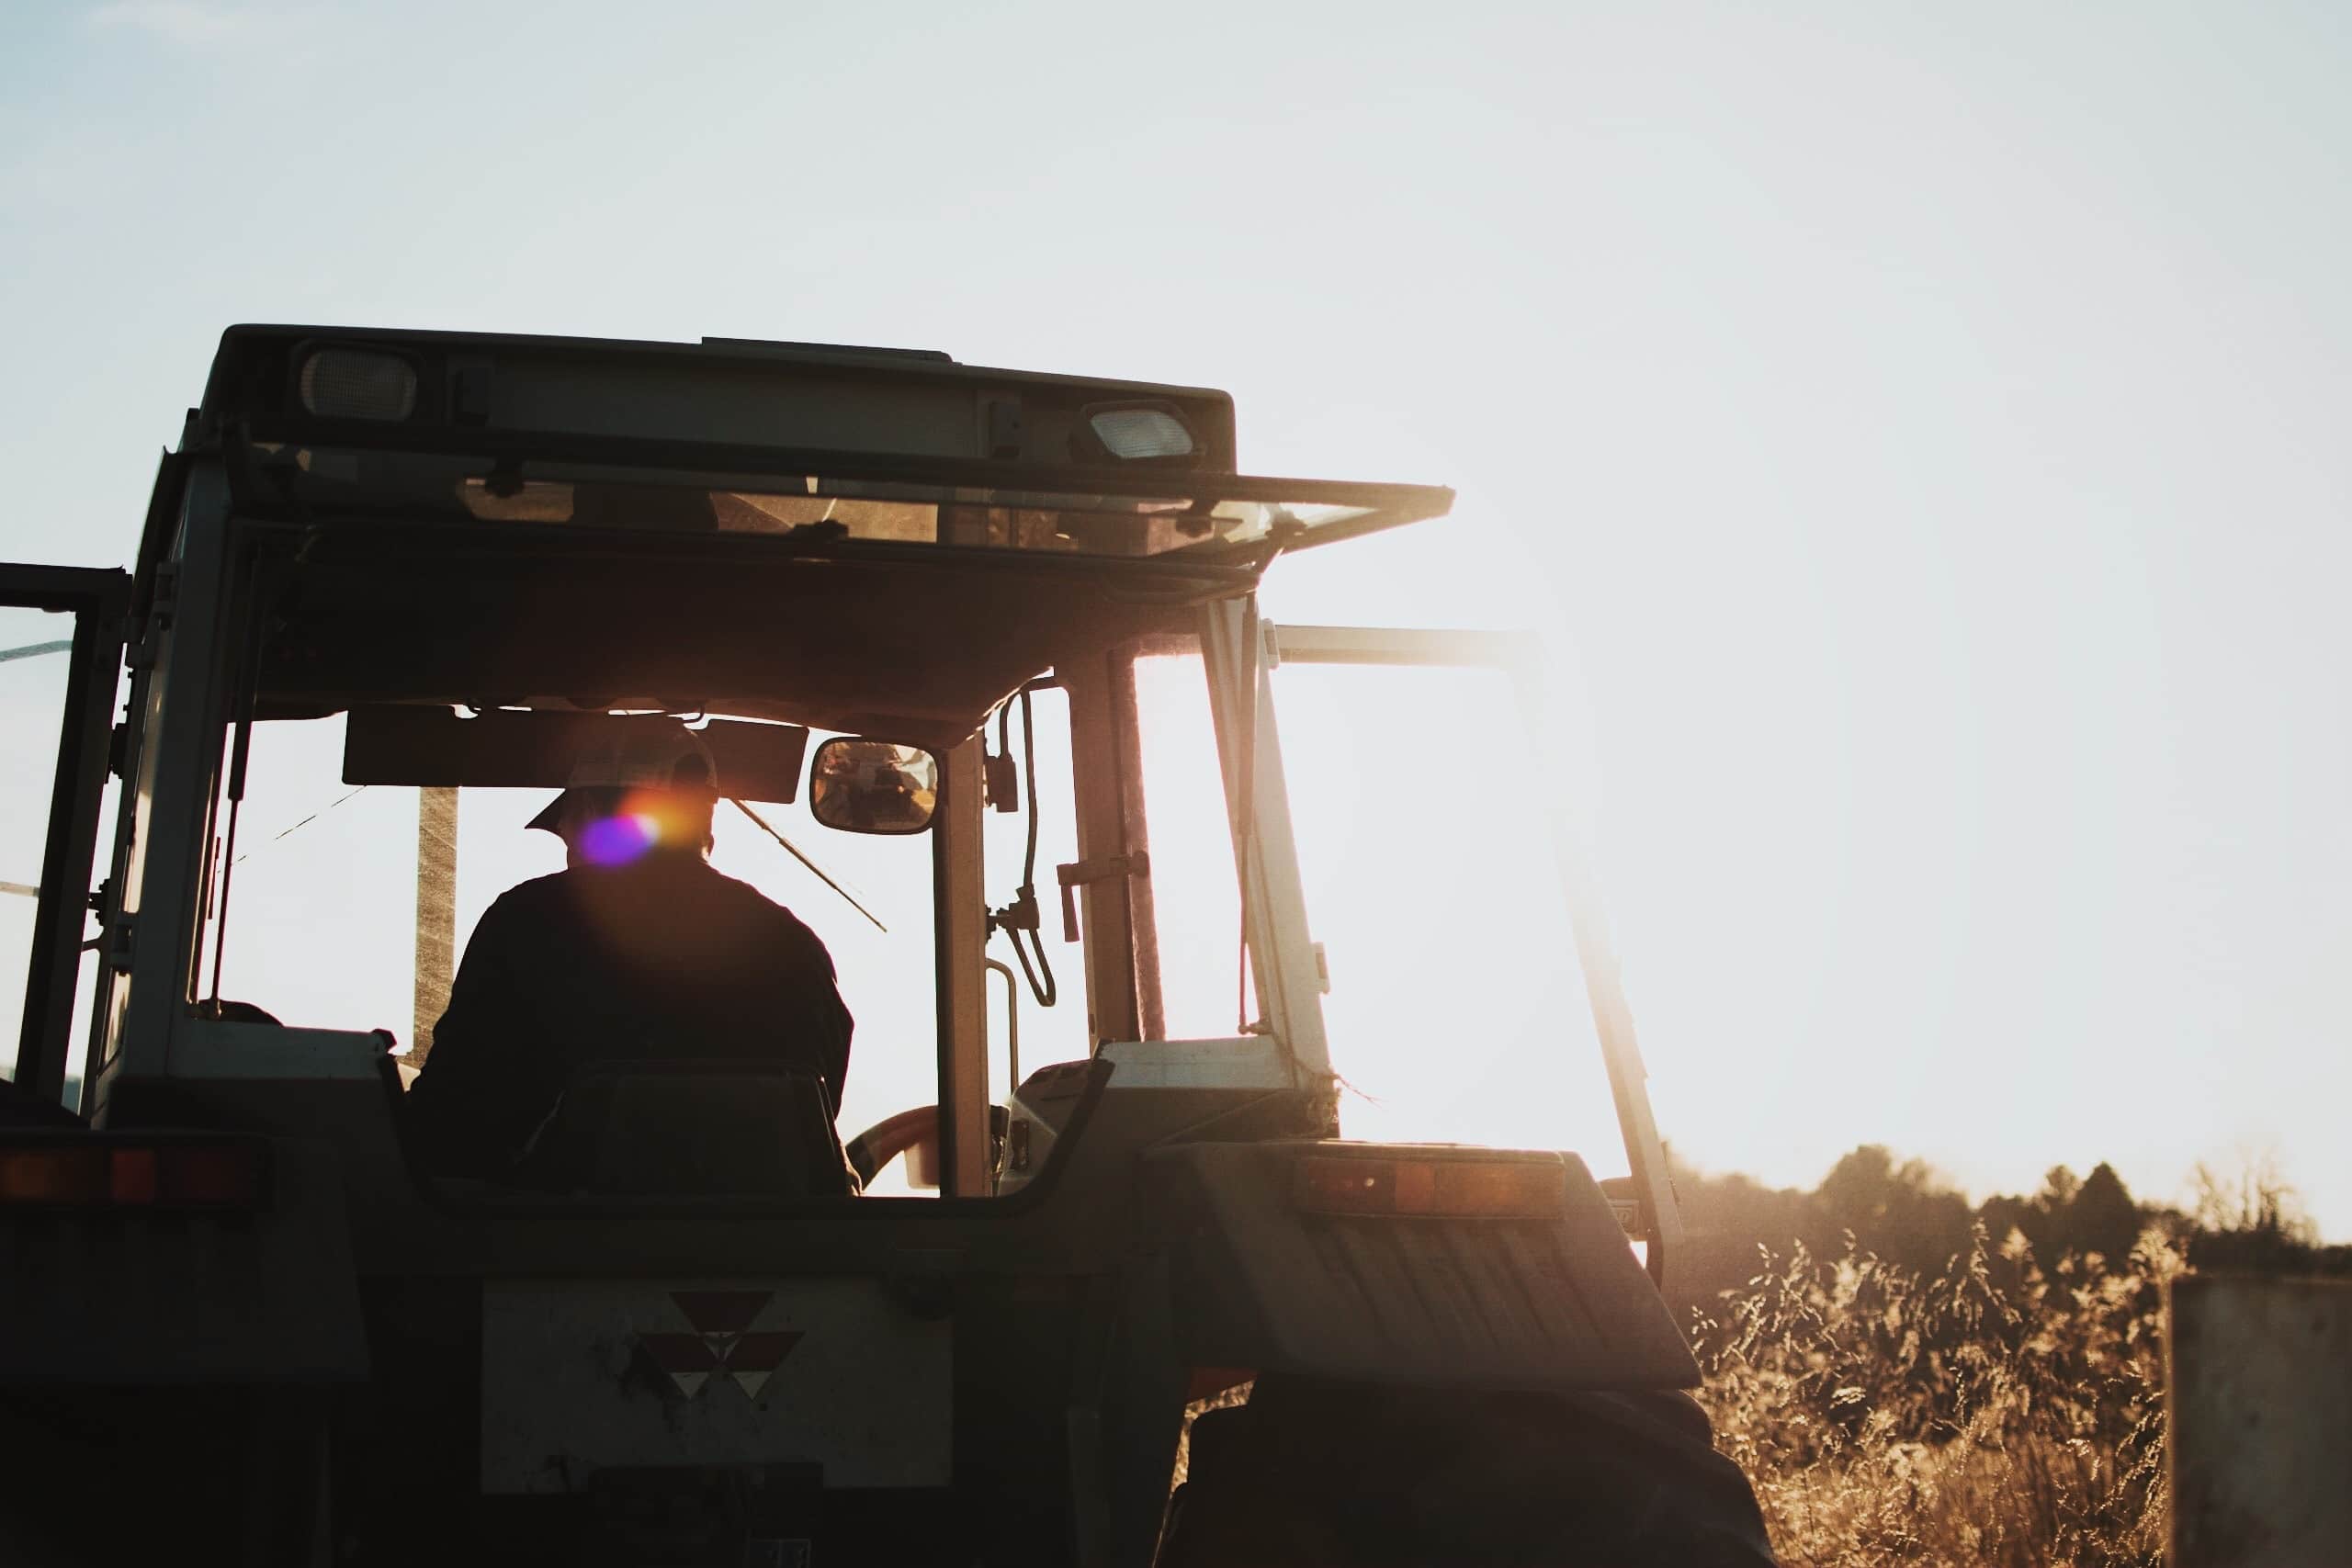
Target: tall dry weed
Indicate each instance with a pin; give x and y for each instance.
(1998, 1413)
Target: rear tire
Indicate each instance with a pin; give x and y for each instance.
(1313, 1474)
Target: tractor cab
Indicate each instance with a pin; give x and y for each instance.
(977, 659)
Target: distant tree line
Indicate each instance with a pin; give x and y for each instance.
(1904, 1212)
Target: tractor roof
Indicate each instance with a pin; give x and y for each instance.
(863, 538)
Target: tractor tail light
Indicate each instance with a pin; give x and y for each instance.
(92, 1171)
(1522, 1188)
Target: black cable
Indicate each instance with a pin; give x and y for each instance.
(1021, 915)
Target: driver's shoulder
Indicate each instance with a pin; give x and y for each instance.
(739, 891)
(758, 905)
(557, 888)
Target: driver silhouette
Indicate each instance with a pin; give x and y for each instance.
(638, 949)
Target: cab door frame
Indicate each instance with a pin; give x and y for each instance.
(1519, 656)
(99, 599)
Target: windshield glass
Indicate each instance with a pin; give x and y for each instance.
(34, 698)
(1195, 895)
(323, 905)
(33, 695)
(1424, 821)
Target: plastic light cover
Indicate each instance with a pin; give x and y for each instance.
(1141, 432)
(1461, 1188)
(73, 1173)
(353, 383)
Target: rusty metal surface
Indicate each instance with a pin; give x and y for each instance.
(2260, 1417)
(436, 914)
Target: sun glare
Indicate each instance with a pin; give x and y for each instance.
(1455, 1012)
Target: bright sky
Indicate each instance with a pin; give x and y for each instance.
(1917, 434)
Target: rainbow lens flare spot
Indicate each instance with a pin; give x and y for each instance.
(617, 840)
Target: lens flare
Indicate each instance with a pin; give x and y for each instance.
(619, 840)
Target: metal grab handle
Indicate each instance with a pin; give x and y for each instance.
(1011, 1023)
(1102, 868)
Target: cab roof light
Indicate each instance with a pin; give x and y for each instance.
(74, 1172)
(358, 383)
(1134, 433)
(1525, 1188)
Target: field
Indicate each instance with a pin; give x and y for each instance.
(1994, 1413)
(1906, 1378)
(1990, 1415)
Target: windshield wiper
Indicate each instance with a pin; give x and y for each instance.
(768, 829)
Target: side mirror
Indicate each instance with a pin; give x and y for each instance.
(872, 786)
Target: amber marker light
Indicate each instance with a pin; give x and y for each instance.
(1526, 1188)
(75, 1173)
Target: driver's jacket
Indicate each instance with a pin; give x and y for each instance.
(665, 958)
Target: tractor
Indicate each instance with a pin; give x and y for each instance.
(1135, 1299)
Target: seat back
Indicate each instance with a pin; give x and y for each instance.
(692, 1129)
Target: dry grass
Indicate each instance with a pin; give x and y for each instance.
(1997, 1413)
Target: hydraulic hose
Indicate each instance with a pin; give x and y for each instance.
(1021, 915)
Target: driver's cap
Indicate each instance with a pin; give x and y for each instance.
(636, 753)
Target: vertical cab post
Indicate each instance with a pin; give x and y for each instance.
(96, 600)
(960, 898)
(170, 802)
(1142, 905)
(1092, 687)
(1604, 986)
(1274, 895)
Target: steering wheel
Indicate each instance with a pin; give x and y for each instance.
(915, 1133)
(892, 1137)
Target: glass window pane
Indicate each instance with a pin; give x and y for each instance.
(1457, 1011)
(77, 1047)
(1196, 901)
(33, 668)
(322, 902)
(321, 914)
(886, 978)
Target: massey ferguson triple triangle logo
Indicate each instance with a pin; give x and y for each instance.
(723, 1341)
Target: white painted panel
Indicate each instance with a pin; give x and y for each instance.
(1245, 1061)
(582, 1375)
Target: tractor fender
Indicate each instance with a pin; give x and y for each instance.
(1547, 1298)
(123, 1295)
(1314, 1473)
